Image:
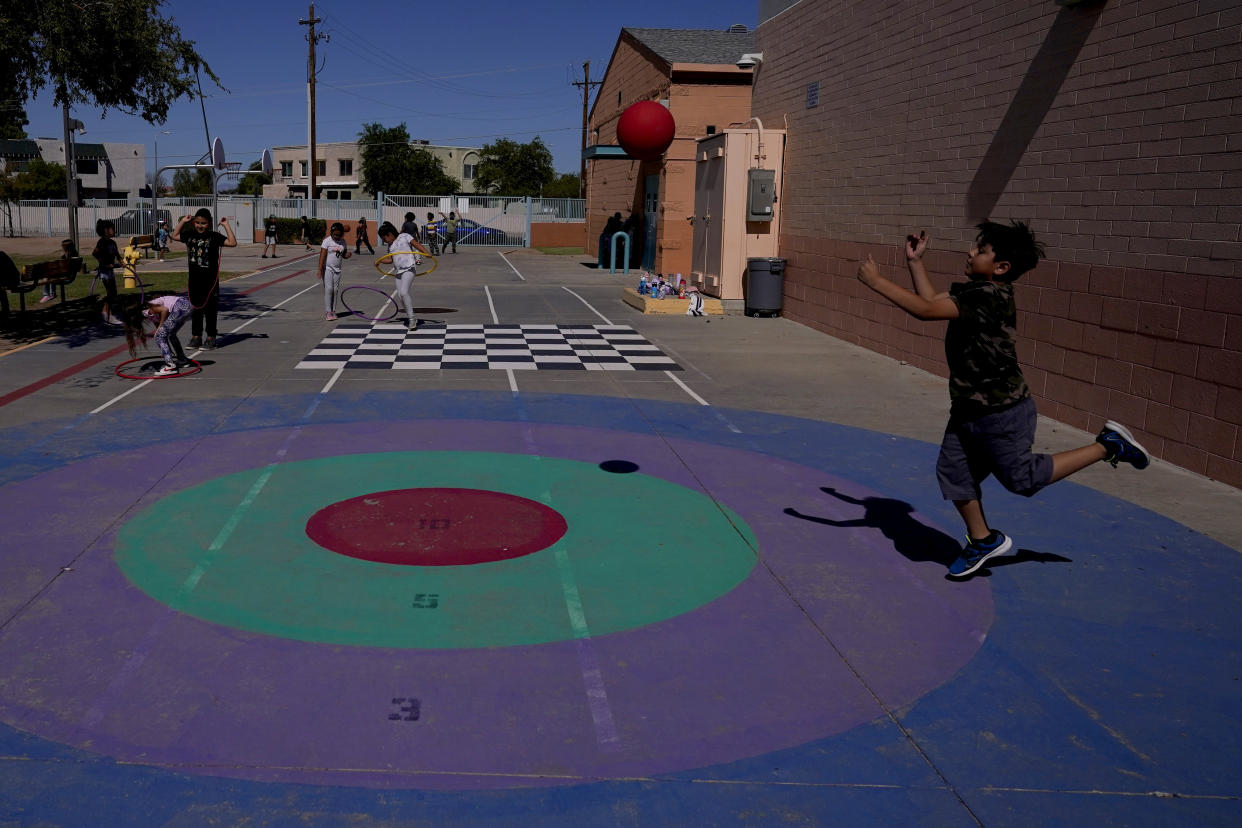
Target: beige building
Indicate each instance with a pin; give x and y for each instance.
(694, 73)
(1114, 136)
(339, 170)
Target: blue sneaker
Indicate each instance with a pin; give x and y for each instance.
(1121, 447)
(976, 552)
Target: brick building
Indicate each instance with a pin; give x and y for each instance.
(693, 72)
(1113, 128)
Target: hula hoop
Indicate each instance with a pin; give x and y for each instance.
(197, 367)
(385, 266)
(360, 314)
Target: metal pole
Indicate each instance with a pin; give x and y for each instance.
(69, 188)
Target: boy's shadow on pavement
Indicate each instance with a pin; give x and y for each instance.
(914, 540)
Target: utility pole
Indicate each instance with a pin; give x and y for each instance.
(312, 39)
(586, 83)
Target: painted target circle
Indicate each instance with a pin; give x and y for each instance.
(258, 577)
(436, 527)
(166, 645)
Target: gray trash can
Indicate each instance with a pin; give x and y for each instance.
(765, 286)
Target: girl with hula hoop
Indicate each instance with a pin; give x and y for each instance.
(169, 314)
(401, 248)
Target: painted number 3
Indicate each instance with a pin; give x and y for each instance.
(407, 710)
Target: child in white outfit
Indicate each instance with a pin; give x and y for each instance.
(331, 253)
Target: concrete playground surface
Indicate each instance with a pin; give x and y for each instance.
(546, 560)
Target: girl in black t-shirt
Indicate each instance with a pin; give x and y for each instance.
(202, 246)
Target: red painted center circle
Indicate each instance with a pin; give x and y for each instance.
(436, 527)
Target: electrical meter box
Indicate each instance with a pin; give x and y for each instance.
(760, 194)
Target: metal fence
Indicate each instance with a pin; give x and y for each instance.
(485, 220)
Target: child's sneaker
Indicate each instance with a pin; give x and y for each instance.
(329, 317)
(196, 342)
(1121, 447)
(46, 298)
(210, 344)
(976, 552)
(168, 370)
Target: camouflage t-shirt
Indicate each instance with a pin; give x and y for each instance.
(984, 374)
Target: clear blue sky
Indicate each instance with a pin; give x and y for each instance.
(462, 73)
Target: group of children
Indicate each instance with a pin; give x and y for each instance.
(992, 416)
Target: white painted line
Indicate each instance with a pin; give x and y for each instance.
(272, 308)
(510, 264)
(686, 388)
(491, 306)
(145, 383)
(588, 304)
(122, 395)
(332, 381)
(588, 661)
(512, 380)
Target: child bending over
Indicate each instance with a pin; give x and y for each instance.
(168, 313)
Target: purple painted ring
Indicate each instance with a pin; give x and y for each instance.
(97, 664)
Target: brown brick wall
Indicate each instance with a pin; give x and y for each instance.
(557, 234)
(1112, 128)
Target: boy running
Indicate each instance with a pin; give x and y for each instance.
(992, 416)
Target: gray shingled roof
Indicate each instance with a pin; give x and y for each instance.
(695, 45)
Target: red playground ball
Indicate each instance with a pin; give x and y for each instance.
(645, 130)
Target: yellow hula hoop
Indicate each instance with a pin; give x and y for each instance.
(385, 266)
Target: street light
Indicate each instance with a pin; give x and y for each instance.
(155, 185)
(72, 190)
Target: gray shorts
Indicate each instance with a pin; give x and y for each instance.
(997, 444)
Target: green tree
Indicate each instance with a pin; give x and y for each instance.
(187, 183)
(509, 168)
(391, 164)
(116, 55)
(40, 179)
(252, 184)
(564, 185)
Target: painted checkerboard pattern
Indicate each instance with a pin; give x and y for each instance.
(524, 347)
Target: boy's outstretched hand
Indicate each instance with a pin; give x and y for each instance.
(915, 245)
(868, 272)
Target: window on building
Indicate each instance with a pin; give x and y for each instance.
(345, 166)
(347, 195)
(303, 166)
(330, 195)
(467, 171)
(321, 168)
(286, 169)
(86, 166)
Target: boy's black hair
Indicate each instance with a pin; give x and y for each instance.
(102, 225)
(336, 225)
(409, 216)
(203, 212)
(386, 229)
(1013, 243)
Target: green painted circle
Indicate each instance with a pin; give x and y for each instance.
(234, 551)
